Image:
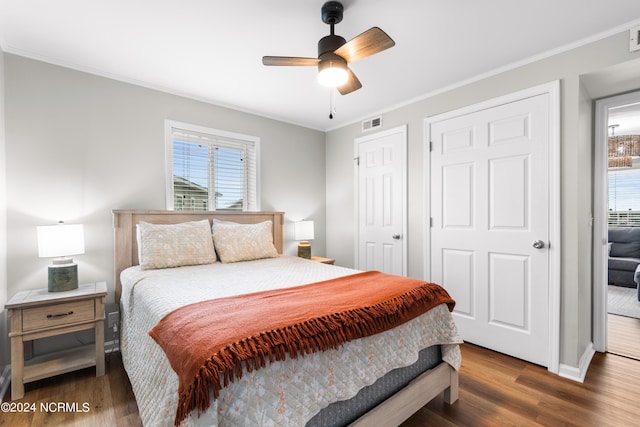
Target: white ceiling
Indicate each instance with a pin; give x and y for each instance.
(211, 50)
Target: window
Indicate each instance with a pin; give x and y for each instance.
(210, 169)
(624, 203)
(623, 173)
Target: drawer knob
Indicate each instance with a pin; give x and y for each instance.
(58, 316)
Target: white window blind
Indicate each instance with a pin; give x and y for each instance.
(211, 169)
(624, 197)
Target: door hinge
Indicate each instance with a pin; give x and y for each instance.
(430, 146)
(430, 221)
(357, 159)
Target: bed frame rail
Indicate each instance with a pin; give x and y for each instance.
(406, 402)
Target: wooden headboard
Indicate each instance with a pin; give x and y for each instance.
(126, 245)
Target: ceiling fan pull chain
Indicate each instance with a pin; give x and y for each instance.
(332, 98)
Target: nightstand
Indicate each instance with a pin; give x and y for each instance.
(38, 314)
(323, 260)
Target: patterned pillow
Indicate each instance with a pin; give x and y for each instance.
(243, 242)
(175, 245)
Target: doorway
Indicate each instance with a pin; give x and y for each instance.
(617, 224)
(380, 177)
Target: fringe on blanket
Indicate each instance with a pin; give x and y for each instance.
(319, 334)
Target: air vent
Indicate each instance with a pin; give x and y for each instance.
(634, 39)
(372, 123)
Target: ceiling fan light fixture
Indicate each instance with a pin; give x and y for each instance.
(332, 73)
(335, 53)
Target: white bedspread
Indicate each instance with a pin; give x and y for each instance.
(286, 393)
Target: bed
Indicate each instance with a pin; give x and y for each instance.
(379, 379)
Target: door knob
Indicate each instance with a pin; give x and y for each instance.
(538, 244)
(396, 236)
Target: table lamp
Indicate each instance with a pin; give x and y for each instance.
(303, 231)
(59, 242)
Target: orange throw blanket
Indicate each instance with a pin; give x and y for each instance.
(207, 343)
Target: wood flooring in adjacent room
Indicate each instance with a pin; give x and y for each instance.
(495, 390)
(623, 336)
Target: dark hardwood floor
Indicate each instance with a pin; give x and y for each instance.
(495, 390)
(110, 399)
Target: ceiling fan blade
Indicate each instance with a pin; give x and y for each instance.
(289, 60)
(351, 85)
(370, 42)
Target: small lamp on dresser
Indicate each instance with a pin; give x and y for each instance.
(303, 231)
(59, 242)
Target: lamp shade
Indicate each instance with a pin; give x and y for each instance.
(303, 230)
(332, 72)
(60, 240)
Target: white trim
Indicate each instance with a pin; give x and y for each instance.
(600, 206)
(168, 163)
(356, 205)
(403, 131)
(6, 47)
(553, 90)
(111, 346)
(579, 373)
(496, 71)
(426, 202)
(555, 222)
(153, 86)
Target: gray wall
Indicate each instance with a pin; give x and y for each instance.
(4, 349)
(576, 186)
(79, 145)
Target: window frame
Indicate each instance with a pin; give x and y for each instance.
(214, 133)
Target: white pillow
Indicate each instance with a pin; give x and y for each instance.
(175, 245)
(243, 242)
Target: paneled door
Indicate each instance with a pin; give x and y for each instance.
(380, 177)
(490, 223)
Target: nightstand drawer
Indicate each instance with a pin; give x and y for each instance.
(57, 315)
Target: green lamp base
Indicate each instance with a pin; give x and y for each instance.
(304, 250)
(63, 277)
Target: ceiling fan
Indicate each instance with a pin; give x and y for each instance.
(334, 52)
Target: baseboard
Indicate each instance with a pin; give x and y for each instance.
(111, 346)
(578, 373)
(5, 380)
